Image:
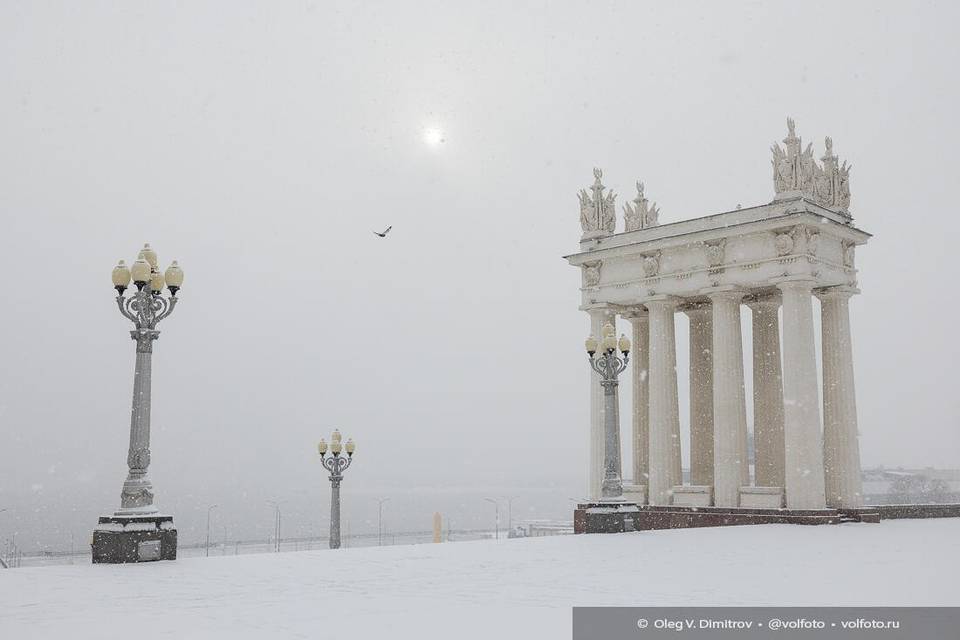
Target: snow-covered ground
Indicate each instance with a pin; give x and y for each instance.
(509, 588)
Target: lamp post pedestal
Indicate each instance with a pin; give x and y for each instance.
(605, 517)
(135, 538)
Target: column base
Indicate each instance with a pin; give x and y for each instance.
(693, 495)
(604, 517)
(134, 538)
(635, 493)
(762, 497)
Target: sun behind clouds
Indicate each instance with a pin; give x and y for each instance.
(434, 136)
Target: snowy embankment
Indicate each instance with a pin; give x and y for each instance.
(510, 588)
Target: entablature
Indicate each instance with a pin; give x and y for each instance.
(746, 248)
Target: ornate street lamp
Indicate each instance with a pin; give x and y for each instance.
(136, 532)
(336, 464)
(609, 364)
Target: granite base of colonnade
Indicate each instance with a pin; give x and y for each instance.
(607, 517)
(600, 517)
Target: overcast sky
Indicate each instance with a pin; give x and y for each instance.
(260, 143)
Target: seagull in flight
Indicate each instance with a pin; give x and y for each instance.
(385, 232)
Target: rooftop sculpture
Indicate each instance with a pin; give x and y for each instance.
(798, 172)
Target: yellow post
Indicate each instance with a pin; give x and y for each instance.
(437, 526)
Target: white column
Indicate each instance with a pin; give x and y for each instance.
(767, 393)
(701, 394)
(599, 316)
(641, 396)
(664, 461)
(803, 449)
(841, 447)
(730, 468)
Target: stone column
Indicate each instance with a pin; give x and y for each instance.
(841, 447)
(599, 316)
(664, 462)
(730, 467)
(701, 394)
(641, 396)
(767, 393)
(803, 450)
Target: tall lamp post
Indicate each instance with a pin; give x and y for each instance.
(609, 364)
(380, 502)
(496, 505)
(2, 562)
(136, 532)
(510, 500)
(209, 509)
(276, 523)
(336, 464)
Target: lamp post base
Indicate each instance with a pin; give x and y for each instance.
(135, 538)
(605, 516)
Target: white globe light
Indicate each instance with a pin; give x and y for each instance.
(156, 281)
(140, 271)
(121, 275)
(148, 254)
(591, 344)
(174, 275)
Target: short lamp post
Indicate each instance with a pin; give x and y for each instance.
(209, 511)
(496, 506)
(3, 563)
(136, 532)
(336, 464)
(610, 364)
(380, 502)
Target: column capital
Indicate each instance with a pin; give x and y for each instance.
(840, 292)
(764, 302)
(725, 292)
(698, 310)
(795, 283)
(599, 308)
(638, 314)
(662, 302)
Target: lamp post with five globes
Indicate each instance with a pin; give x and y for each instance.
(609, 364)
(136, 532)
(336, 465)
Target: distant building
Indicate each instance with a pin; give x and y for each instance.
(911, 486)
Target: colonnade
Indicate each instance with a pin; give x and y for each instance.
(799, 460)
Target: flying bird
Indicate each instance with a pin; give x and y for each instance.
(385, 232)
